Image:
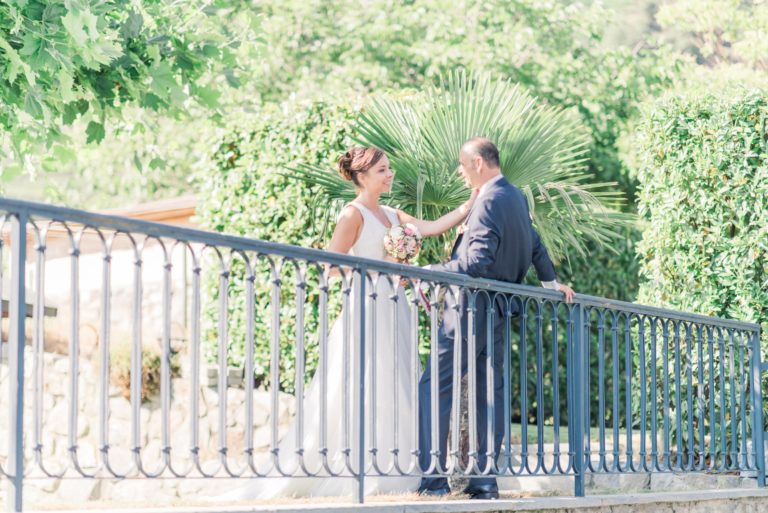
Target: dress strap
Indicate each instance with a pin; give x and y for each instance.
(391, 215)
(359, 208)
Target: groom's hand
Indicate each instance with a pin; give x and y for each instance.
(567, 291)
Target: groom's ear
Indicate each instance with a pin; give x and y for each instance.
(477, 160)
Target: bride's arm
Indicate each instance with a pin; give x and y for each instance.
(346, 233)
(442, 224)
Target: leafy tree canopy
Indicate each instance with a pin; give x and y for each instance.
(723, 31)
(84, 61)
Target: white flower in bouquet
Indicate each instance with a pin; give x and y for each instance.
(403, 242)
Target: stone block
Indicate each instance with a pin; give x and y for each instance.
(536, 484)
(692, 481)
(618, 482)
(129, 490)
(119, 409)
(74, 491)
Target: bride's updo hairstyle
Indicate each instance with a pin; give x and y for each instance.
(356, 160)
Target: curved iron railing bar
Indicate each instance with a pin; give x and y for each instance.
(677, 398)
(506, 448)
(723, 424)
(557, 466)
(490, 374)
(689, 395)
(225, 274)
(643, 450)
(539, 386)
(136, 360)
(371, 340)
(731, 388)
(700, 401)
(415, 370)
(346, 288)
(629, 452)
(743, 403)
(40, 237)
(187, 250)
(602, 464)
(587, 314)
(74, 347)
(392, 301)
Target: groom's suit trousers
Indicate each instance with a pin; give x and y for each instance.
(485, 344)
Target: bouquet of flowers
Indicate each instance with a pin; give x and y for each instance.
(403, 243)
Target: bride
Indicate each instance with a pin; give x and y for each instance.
(391, 373)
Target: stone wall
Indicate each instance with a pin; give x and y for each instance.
(54, 440)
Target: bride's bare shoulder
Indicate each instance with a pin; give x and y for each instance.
(348, 228)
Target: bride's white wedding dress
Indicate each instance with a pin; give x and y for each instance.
(391, 353)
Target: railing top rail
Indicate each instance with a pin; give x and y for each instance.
(191, 235)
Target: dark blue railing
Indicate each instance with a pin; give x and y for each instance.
(634, 389)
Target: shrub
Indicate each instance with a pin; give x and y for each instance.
(704, 180)
(247, 194)
(704, 184)
(151, 364)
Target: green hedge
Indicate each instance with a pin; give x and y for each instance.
(704, 193)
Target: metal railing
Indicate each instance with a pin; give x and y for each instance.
(597, 386)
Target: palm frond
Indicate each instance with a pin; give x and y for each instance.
(543, 151)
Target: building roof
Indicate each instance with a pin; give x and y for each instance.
(176, 211)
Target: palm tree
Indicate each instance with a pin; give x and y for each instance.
(542, 150)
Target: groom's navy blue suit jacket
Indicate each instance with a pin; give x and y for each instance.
(499, 241)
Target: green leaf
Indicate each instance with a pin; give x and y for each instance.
(33, 106)
(132, 26)
(83, 106)
(162, 79)
(73, 23)
(8, 173)
(137, 162)
(157, 163)
(69, 114)
(152, 101)
(16, 64)
(210, 51)
(232, 79)
(66, 83)
(208, 96)
(95, 132)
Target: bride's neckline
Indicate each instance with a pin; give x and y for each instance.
(375, 216)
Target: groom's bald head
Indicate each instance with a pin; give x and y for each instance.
(483, 148)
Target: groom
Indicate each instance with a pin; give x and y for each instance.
(497, 242)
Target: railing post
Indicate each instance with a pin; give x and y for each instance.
(17, 312)
(362, 274)
(758, 432)
(576, 413)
